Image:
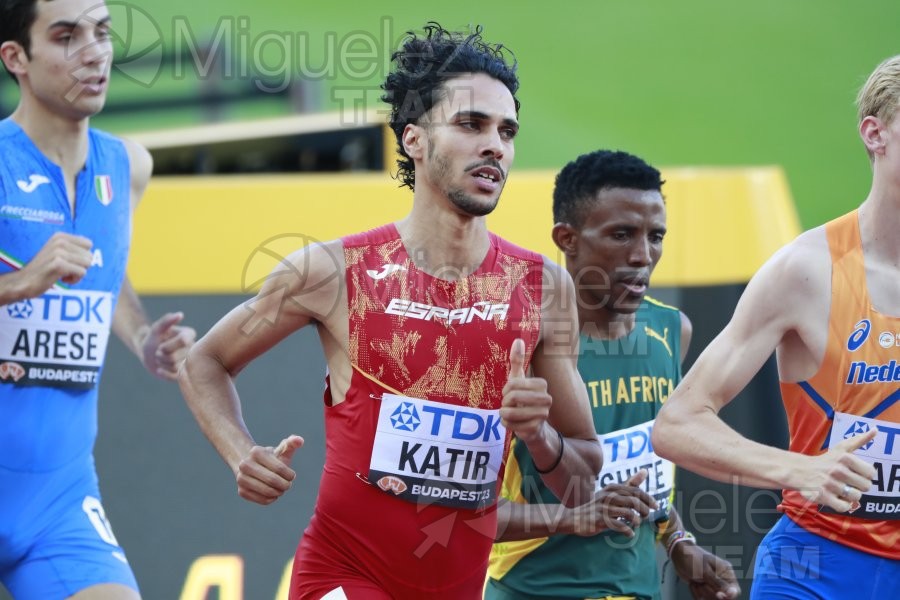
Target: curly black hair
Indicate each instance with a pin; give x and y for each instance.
(424, 63)
(580, 180)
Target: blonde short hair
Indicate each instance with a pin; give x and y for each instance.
(880, 96)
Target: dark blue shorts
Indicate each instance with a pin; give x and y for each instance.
(54, 536)
(794, 564)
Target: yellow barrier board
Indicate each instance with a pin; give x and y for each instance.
(221, 235)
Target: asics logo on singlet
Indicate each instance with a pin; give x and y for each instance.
(862, 372)
(32, 184)
(859, 335)
(858, 428)
(20, 310)
(426, 312)
(406, 417)
(385, 271)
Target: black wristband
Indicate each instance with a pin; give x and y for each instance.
(562, 447)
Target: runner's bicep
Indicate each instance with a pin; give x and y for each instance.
(249, 330)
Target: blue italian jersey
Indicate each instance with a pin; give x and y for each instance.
(52, 347)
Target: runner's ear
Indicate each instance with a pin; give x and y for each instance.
(565, 237)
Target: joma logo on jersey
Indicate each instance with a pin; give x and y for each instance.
(426, 312)
(862, 372)
(385, 271)
(34, 181)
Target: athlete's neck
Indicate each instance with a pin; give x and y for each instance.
(63, 141)
(879, 228)
(879, 224)
(604, 324)
(444, 244)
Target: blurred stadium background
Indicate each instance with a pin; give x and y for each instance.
(697, 83)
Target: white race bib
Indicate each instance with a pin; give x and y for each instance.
(436, 453)
(56, 340)
(882, 501)
(627, 451)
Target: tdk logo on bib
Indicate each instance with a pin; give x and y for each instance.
(622, 446)
(458, 424)
(882, 500)
(627, 451)
(72, 309)
(858, 428)
(426, 451)
(64, 307)
(464, 424)
(405, 417)
(20, 310)
(58, 339)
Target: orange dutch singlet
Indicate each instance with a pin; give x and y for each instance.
(414, 454)
(856, 388)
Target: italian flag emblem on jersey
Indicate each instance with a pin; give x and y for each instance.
(103, 189)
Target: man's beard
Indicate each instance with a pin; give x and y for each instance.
(471, 205)
(465, 202)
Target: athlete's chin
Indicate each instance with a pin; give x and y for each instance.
(93, 105)
(84, 108)
(472, 205)
(627, 305)
(482, 211)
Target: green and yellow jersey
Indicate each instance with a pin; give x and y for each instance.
(627, 380)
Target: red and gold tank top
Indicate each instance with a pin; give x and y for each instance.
(414, 454)
(440, 351)
(856, 388)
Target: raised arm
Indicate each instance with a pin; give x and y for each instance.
(785, 304)
(299, 291)
(550, 412)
